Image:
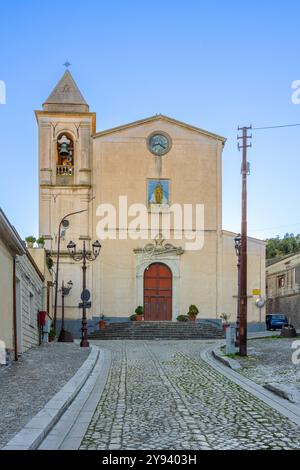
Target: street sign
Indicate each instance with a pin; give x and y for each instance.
(87, 305)
(85, 295)
(256, 292)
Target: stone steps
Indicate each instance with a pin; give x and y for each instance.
(158, 330)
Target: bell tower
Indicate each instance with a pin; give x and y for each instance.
(65, 158)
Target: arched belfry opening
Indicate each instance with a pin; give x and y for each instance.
(65, 155)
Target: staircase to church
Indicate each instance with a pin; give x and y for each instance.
(158, 331)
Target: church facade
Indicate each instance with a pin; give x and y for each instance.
(151, 192)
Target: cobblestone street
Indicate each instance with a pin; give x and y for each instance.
(162, 395)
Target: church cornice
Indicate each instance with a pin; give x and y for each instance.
(68, 115)
(160, 117)
(68, 186)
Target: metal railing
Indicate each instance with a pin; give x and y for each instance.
(63, 170)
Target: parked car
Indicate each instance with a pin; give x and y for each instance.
(275, 321)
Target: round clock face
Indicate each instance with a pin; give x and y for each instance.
(159, 144)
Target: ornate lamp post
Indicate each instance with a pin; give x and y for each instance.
(237, 246)
(84, 256)
(64, 336)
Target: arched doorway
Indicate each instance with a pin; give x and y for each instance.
(157, 293)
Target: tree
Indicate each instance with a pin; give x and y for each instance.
(277, 247)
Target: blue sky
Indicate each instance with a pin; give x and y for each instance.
(214, 64)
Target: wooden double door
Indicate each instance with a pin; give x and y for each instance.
(157, 293)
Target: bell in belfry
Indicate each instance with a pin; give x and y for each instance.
(64, 143)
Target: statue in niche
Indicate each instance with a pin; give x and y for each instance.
(158, 192)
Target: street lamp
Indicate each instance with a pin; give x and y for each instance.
(84, 256)
(237, 246)
(65, 336)
(65, 224)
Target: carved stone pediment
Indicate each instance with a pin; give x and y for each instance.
(159, 247)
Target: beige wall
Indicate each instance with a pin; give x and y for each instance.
(40, 258)
(121, 164)
(285, 268)
(6, 296)
(29, 300)
(255, 275)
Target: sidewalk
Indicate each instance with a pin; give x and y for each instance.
(269, 363)
(268, 372)
(27, 385)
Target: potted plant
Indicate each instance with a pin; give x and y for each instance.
(288, 331)
(41, 242)
(52, 334)
(225, 317)
(192, 313)
(139, 312)
(30, 241)
(49, 262)
(102, 322)
(132, 317)
(182, 318)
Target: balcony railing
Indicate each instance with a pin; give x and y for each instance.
(63, 170)
(282, 291)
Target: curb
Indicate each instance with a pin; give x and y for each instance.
(227, 361)
(279, 404)
(69, 431)
(30, 437)
(288, 392)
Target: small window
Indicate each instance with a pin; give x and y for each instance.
(281, 281)
(32, 312)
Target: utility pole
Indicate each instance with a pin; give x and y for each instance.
(243, 257)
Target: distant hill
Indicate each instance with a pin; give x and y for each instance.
(278, 247)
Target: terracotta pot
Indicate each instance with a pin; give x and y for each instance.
(192, 318)
(139, 317)
(288, 332)
(102, 324)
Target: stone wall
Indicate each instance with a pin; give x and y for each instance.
(288, 305)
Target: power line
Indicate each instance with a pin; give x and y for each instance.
(275, 127)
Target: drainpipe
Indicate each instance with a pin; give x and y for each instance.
(15, 310)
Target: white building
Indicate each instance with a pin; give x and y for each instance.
(21, 292)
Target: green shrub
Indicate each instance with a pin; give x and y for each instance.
(52, 332)
(49, 262)
(132, 317)
(225, 317)
(30, 239)
(139, 310)
(193, 311)
(183, 318)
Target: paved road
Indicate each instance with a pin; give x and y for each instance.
(162, 395)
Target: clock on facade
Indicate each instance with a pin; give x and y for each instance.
(159, 143)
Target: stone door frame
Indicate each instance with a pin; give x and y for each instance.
(172, 260)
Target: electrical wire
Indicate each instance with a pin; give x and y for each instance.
(275, 127)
